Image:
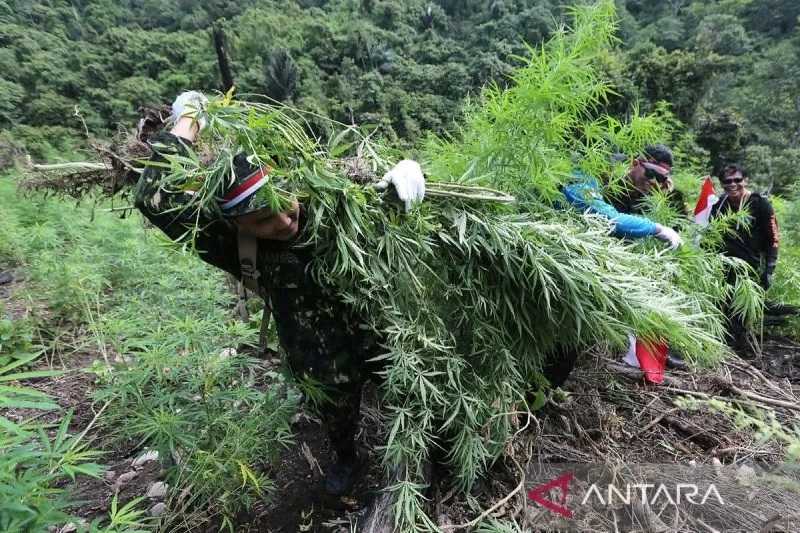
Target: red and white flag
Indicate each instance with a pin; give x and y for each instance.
(650, 358)
(702, 211)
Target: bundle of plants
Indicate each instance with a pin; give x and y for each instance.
(474, 297)
(470, 295)
(531, 138)
(472, 292)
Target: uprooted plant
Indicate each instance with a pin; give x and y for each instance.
(471, 293)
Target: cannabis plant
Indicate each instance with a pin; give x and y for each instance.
(34, 465)
(472, 295)
(215, 416)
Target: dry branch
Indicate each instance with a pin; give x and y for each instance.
(477, 520)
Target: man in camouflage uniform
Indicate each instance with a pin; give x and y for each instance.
(326, 344)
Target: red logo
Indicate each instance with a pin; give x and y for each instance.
(538, 494)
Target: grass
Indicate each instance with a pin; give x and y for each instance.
(158, 320)
(786, 285)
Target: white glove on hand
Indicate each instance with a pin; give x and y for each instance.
(190, 104)
(408, 181)
(668, 235)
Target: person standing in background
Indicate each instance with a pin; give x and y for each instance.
(755, 243)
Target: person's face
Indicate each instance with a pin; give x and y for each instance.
(266, 224)
(648, 176)
(735, 185)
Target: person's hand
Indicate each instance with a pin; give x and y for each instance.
(190, 104)
(668, 235)
(408, 181)
(766, 279)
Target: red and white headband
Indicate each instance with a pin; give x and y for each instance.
(244, 190)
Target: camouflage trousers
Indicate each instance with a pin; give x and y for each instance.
(328, 351)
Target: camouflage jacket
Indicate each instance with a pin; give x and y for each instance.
(323, 337)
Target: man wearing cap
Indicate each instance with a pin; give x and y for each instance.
(625, 209)
(326, 343)
(650, 172)
(755, 243)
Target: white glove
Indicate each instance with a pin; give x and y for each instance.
(668, 235)
(190, 104)
(408, 181)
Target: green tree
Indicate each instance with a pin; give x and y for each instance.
(280, 75)
(722, 34)
(11, 97)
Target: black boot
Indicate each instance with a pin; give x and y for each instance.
(341, 422)
(342, 475)
(559, 364)
(675, 361)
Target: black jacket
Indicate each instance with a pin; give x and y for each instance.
(631, 201)
(756, 241)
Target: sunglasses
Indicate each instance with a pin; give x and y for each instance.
(655, 175)
(651, 172)
(731, 181)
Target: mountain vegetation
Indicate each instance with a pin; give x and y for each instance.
(727, 68)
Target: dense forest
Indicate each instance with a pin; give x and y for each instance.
(727, 68)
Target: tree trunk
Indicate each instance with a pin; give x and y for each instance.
(222, 59)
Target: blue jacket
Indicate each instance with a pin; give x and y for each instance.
(584, 194)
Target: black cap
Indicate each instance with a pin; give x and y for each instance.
(658, 153)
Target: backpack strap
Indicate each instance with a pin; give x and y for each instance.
(248, 262)
(248, 265)
(720, 202)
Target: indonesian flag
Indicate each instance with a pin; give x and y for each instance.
(702, 210)
(650, 358)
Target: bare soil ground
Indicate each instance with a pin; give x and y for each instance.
(607, 415)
